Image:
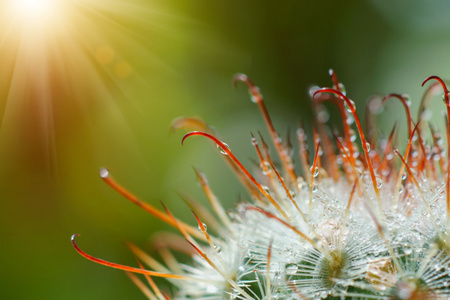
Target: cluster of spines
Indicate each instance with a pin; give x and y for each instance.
(341, 269)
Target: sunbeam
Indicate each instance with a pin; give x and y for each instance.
(34, 9)
(61, 62)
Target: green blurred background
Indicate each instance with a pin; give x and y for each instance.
(100, 89)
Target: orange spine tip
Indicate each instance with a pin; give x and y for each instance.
(239, 164)
(363, 140)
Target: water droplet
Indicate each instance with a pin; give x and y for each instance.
(330, 72)
(204, 225)
(221, 150)
(266, 189)
(368, 146)
(407, 99)
(293, 194)
(359, 171)
(348, 106)
(291, 269)
(342, 88)
(312, 90)
(241, 268)
(315, 188)
(407, 250)
(443, 97)
(379, 182)
(316, 171)
(267, 168)
(218, 249)
(320, 152)
(256, 98)
(346, 150)
(104, 173)
(350, 120)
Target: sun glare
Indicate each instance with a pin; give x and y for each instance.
(63, 59)
(34, 9)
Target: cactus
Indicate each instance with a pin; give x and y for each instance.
(362, 222)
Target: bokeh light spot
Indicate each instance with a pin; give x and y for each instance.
(123, 69)
(104, 55)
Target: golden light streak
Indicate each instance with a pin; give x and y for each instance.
(62, 60)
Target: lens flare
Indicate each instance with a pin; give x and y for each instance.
(61, 60)
(34, 8)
